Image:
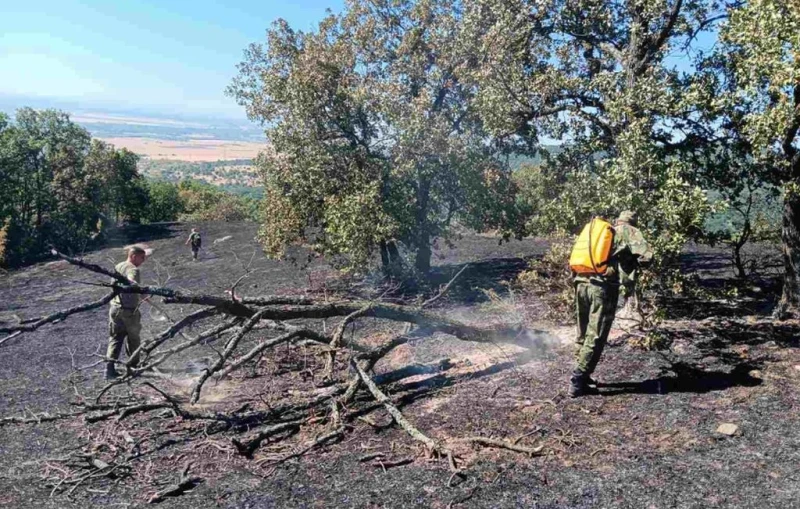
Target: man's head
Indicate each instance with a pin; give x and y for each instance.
(194, 230)
(629, 217)
(136, 255)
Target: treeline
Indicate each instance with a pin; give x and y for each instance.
(61, 188)
(394, 121)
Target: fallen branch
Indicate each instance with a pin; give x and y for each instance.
(445, 289)
(198, 386)
(394, 463)
(58, 315)
(337, 337)
(338, 432)
(256, 350)
(398, 416)
(185, 483)
(502, 444)
(37, 419)
(247, 448)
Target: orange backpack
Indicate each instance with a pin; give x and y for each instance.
(592, 250)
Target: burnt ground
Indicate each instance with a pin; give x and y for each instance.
(649, 439)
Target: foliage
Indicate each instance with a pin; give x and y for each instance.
(204, 202)
(60, 188)
(761, 104)
(236, 176)
(594, 75)
(750, 215)
(4, 239)
(164, 203)
(372, 140)
(53, 191)
(550, 279)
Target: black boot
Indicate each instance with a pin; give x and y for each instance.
(111, 373)
(579, 385)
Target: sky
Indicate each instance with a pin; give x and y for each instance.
(168, 56)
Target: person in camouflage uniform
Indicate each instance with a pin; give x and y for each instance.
(195, 240)
(596, 299)
(124, 318)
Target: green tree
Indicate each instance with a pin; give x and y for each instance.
(57, 182)
(164, 202)
(372, 138)
(121, 189)
(51, 196)
(761, 44)
(594, 74)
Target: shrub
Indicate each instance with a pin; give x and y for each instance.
(550, 280)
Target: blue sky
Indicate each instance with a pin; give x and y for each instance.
(173, 56)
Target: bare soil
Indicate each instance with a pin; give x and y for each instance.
(649, 439)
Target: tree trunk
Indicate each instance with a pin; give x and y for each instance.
(390, 258)
(422, 261)
(384, 256)
(789, 304)
(423, 241)
(738, 263)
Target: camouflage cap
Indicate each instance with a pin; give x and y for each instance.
(628, 216)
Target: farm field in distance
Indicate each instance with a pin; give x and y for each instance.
(193, 150)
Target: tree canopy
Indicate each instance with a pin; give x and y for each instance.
(373, 140)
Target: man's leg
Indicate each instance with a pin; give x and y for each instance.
(608, 297)
(133, 325)
(602, 302)
(116, 336)
(582, 316)
(194, 253)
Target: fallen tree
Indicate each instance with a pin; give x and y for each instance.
(293, 321)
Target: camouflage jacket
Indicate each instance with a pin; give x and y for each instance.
(127, 300)
(629, 249)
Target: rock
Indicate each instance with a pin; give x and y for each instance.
(797, 367)
(223, 239)
(755, 374)
(728, 429)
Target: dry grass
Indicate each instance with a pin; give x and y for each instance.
(189, 150)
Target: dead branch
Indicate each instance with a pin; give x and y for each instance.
(337, 433)
(38, 418)
(445, 289)
(232, 344)
(206, 335)
(58, 315)
(393, 463)
(248, 447)
(187, 320)
(502, 444)
(126, 411)
(113, 274)
(336, 340)
(395, 412)
(185, 483)
(256, 350)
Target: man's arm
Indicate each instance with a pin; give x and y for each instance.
(639, 247)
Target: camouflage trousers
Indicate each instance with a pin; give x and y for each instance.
(124, 326)
(596, 305)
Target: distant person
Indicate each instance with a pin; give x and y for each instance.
(596, 299)
(124, 318)
(195, 240)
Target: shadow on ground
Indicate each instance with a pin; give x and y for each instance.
(687, 379)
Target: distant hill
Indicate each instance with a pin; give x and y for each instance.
(105, 121)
